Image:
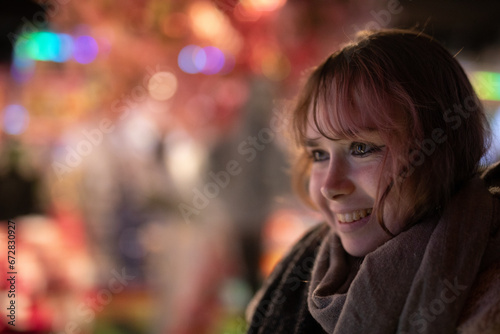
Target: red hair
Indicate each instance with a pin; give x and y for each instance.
(415, 93)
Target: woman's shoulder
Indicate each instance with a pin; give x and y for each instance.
(289, 276)
(482, 310)
(481, 313)
(491, 177)
(304, 248)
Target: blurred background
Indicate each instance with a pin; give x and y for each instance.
(143, 148)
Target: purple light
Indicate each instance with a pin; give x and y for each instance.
(209, 60)
(187, 59)
(15, 119)
(214, 60)
(85, 49)
(200, 60)
(22, 69)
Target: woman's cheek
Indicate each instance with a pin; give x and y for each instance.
(315, 190)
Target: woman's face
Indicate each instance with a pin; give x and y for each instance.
(343, 185)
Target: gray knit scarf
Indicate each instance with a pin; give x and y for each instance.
(417, 282)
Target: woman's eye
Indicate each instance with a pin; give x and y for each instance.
(362, 149)
(319, 155)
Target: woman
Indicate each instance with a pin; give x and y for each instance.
(390, 136)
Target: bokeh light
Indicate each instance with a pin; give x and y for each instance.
(186, 59)
(208, 60)
(486, 85)
(263, 5)
(210, 24)
(214, 60)
(200, 60)
(50, 46)
(45, 46)
(15, 119)
(66, 47)
(86, 49)
(162, 86)
(207, 21)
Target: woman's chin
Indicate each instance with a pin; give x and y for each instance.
(361, 246)
(357, 250)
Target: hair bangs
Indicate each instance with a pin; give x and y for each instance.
(351, 100)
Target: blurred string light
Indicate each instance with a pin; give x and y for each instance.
(262, 5)
(85, 50)
(486, 85)
(208, 60)
(162, 86)
(50, 46)
(252, 10)
(15, 119)
(209, 23)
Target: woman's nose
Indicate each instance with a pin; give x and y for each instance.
(337, 182)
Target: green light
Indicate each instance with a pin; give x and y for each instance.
(486, 85)
(24, 47)
(47, 45)
(44, 46)
(56, 47)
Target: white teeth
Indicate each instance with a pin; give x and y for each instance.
(353, 216)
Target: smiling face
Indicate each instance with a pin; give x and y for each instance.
(343, 185)
(362, 126)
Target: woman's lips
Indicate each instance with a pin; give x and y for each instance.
(352, 221)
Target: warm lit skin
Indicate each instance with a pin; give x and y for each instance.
(344, 178)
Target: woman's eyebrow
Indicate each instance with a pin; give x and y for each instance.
(311, 142)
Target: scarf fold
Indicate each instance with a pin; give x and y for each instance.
(418, 282)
